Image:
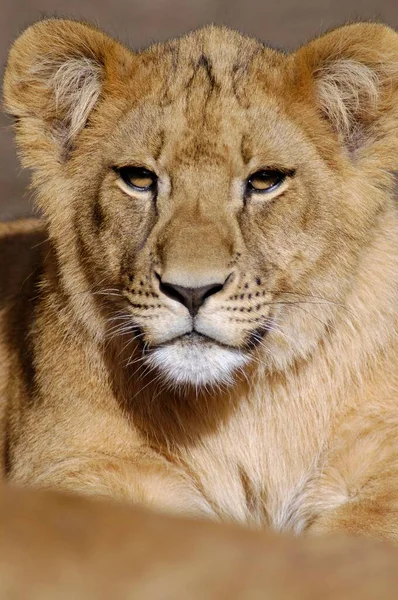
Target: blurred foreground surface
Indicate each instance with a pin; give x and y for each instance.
(54, 546)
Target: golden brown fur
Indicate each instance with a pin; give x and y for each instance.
(55, 546)
(283, 412)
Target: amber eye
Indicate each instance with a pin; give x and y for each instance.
(265, 181)
(138, 178)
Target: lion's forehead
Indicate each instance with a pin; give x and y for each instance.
(211, 55)
(210, 135)
(211, 81)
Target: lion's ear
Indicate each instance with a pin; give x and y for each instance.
(352, 75)
(54, 77)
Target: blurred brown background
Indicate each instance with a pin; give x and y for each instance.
(281, 23)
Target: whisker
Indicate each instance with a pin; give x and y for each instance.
(130, 362)
(325, 324)
(322, 298)
(152, 381)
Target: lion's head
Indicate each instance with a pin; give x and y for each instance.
(212, 194)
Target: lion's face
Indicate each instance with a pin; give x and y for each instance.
(210, 267)
(216, 214)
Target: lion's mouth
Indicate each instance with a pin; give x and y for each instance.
(195, 359)
(186, 340)
(195, 338)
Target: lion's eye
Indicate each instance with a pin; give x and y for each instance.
(138, 178)
(265, 181)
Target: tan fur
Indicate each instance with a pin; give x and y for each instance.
(54, 546)
(284, 412)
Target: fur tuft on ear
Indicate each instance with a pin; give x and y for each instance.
(76, 86)
(345, 88)
(54, 78)
(352, 72)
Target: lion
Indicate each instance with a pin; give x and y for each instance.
(205, 319)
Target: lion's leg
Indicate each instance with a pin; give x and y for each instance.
(149, 483)
(357, 492)
(375, 517)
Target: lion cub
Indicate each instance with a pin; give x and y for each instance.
(206, 319)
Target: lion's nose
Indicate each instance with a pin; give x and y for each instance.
(191, 297)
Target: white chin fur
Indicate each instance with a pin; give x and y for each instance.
(197, 364)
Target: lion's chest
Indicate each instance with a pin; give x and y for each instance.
(261, 468)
